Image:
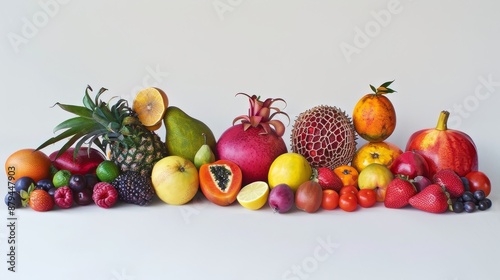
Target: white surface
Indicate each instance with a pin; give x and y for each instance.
(438, 53)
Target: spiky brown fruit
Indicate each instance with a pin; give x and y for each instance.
(325, 136)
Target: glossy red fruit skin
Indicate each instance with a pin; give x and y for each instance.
(449, 180)
(328, 179)
(251, 150)
(84, 163)
(410, 164)
(445, 148)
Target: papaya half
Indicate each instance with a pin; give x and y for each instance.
(220, 181)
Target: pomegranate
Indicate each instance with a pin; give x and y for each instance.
(445, 148)
(253, 144)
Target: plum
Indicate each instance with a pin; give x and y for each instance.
(281, 198)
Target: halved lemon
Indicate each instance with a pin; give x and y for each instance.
(254, 195)
(150, 105)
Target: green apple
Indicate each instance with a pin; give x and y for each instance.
(375, 176)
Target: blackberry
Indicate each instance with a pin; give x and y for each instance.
(134, 188)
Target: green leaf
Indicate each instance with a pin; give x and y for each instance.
(77, 110)
(87, 101)
(24, 194)
(387, 84)
(373, 88)
(101, 91)
(74, 122)
(31, 188)
(67, 133)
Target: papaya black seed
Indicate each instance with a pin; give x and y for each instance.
(221, 175)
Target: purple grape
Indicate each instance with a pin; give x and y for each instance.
(468, 196)
(13, 199)
(469, 206)
(479, 195)
(45, 184)
(77, 182)
(458, 207)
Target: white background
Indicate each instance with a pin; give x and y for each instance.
(202, 53)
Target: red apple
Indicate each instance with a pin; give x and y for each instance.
(411, 165)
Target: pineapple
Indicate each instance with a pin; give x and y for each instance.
(131, 145)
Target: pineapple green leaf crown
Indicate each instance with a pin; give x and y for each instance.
(96, 123)
(259, 114)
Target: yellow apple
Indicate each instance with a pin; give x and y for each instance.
(375, 176)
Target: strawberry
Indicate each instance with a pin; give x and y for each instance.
(104, 195)
(398, 192)
(433, 199)
(40, 200)
(327, 179)
(450, 180)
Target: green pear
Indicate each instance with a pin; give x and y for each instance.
(204, 154)
(183, 134)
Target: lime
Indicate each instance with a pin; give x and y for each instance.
(107, 171)
(254, 195)
(61, 178)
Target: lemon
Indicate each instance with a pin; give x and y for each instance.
(61, 178)
(107, 171)
(254, 195)
(289, 168)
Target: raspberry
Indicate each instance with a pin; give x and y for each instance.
(63, 197)
(105, 195)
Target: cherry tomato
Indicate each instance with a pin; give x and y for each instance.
(348, 175)
(479, 181)
(348, 202)
(367, 198)
(330, 200)
(349, 189)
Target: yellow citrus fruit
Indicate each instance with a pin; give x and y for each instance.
(254, 195)
(61, 178)
(28, 163)
(107, 171)
(175, 180)
(150, 105)
(289, 168)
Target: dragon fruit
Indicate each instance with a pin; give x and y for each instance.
(256, 142)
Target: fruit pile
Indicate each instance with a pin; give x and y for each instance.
(113, 154)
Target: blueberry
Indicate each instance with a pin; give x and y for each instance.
(13, 199)
(458, 207)
(468, 196)
(23, 183)
(469, 206)
(479, 195)
(44, 184)
(52, 191)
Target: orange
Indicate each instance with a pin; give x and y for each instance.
(28, 163)
(374, 117)
(347, 174)
(155, 126)
(150, 105)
